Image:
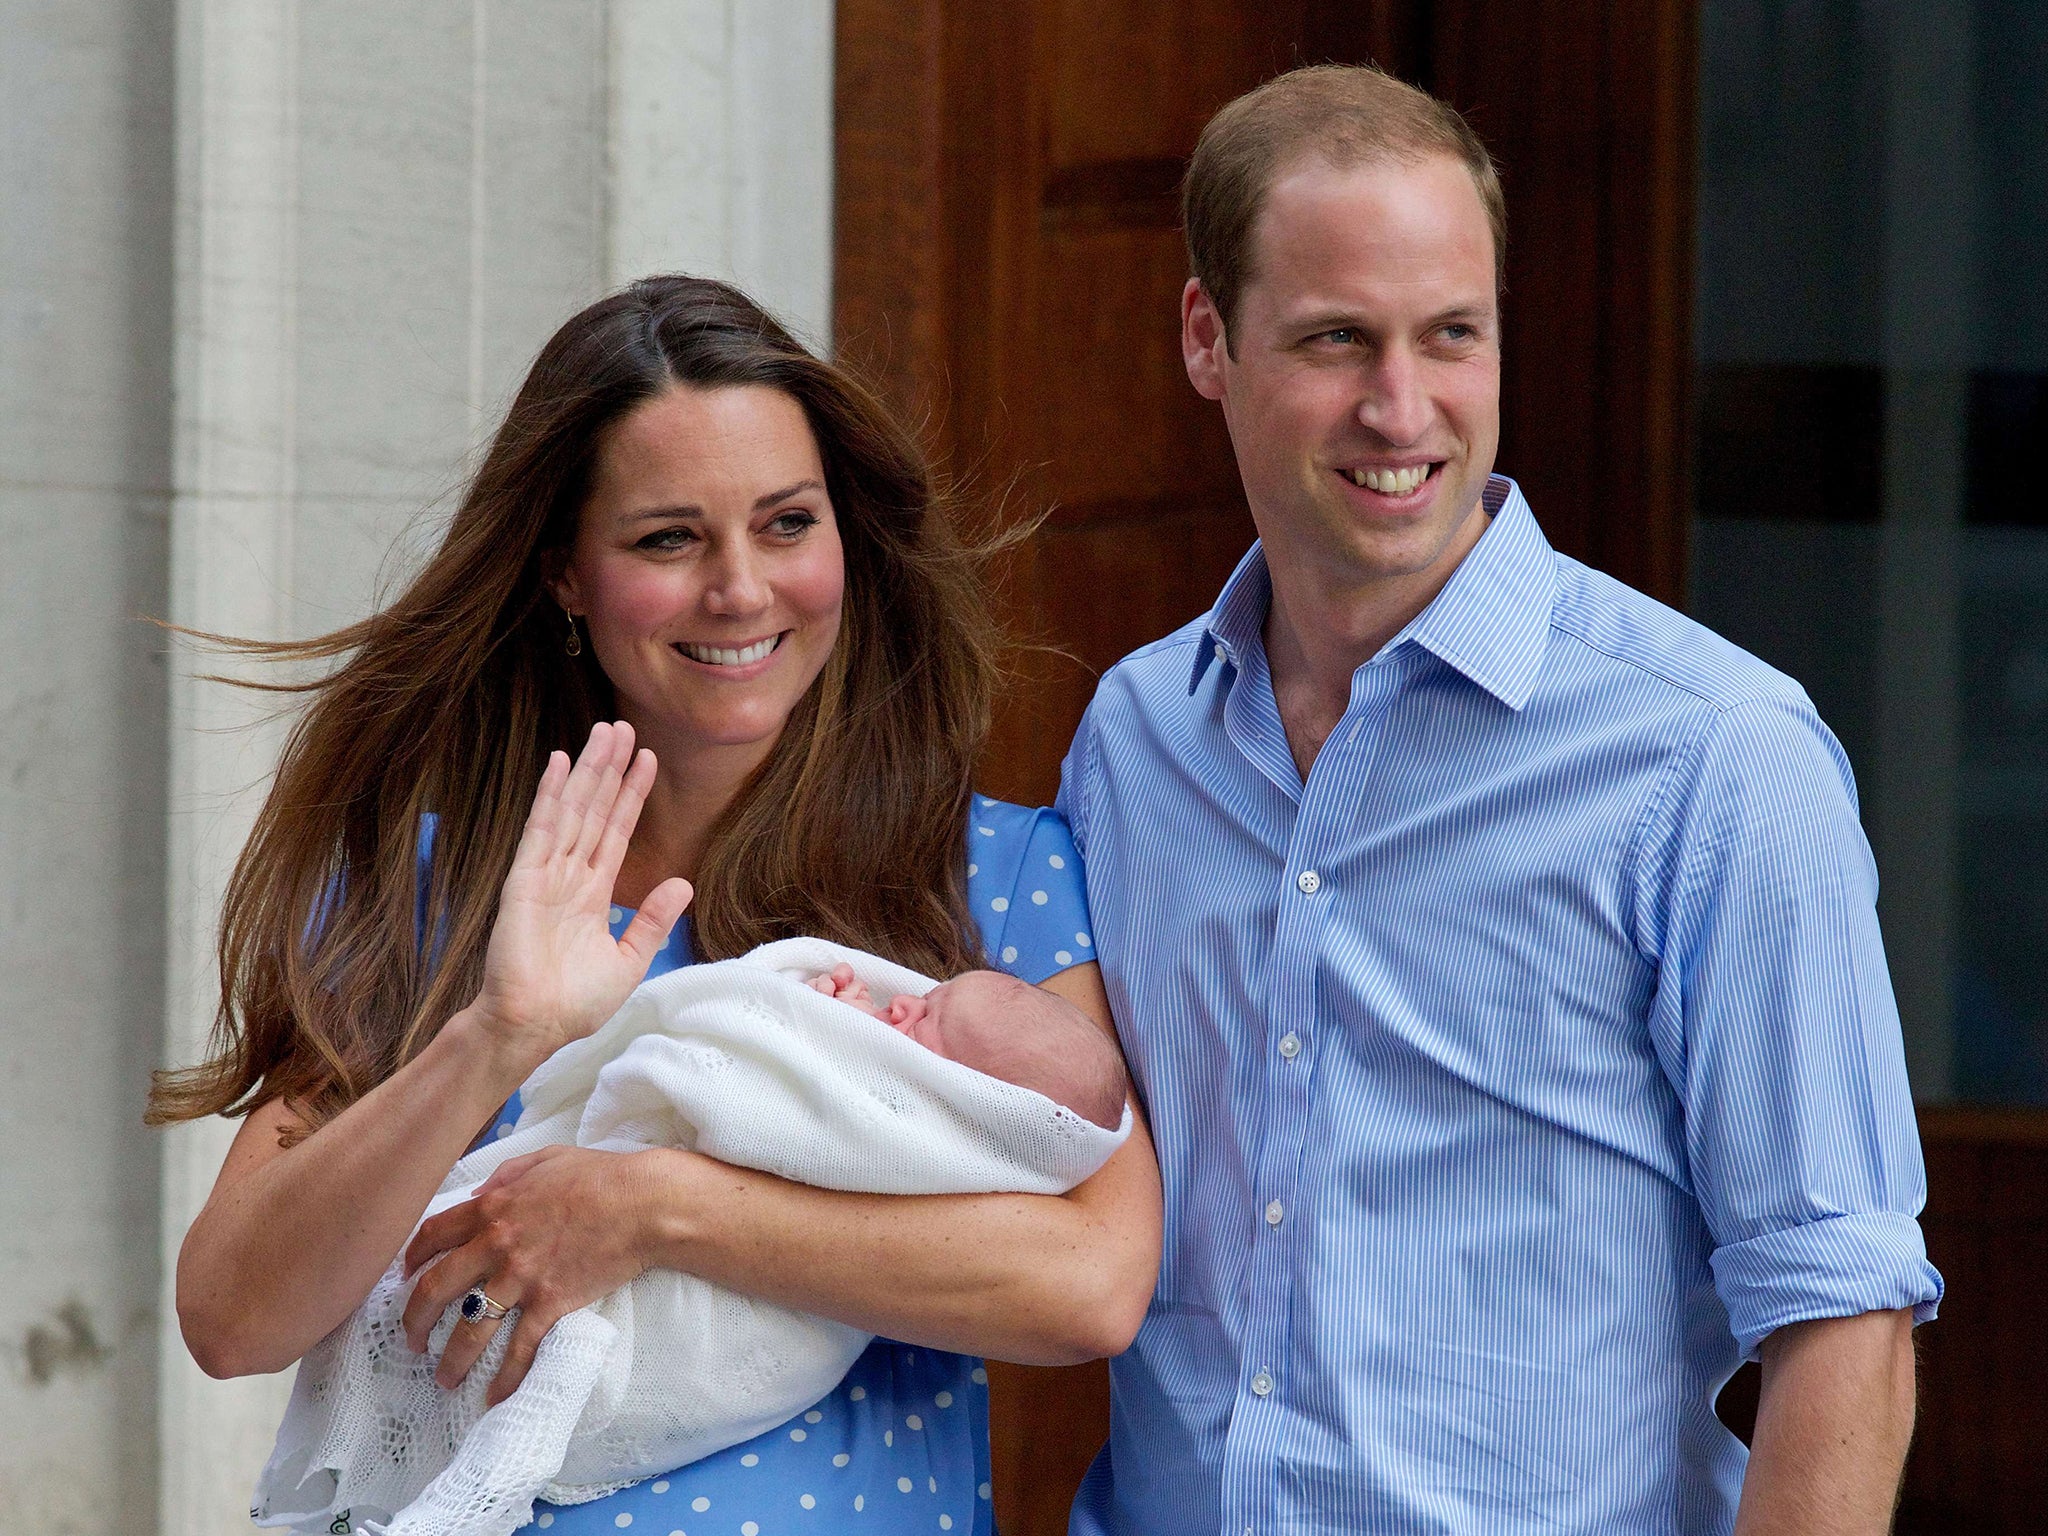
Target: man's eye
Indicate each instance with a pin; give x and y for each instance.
(1343, 335)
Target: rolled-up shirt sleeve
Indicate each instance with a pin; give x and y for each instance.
(1775, 1020)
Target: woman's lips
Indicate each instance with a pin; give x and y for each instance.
(731, 656)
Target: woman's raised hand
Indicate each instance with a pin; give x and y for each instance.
(553, 972)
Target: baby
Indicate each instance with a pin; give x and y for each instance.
(993, 1085)
(1005, 1028)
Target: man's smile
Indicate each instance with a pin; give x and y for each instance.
(1394, 482)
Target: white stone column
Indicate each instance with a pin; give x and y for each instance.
(384, 207)
(721, 149)
(232, 519)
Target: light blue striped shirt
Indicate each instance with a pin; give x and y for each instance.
(1512, 1077)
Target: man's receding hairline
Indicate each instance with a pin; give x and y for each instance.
(1377, 154)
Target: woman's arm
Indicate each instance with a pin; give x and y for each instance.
(1039, 1279)
(292, 1239)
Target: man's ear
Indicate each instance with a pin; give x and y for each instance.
(1203, 344)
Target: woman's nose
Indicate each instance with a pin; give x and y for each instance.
(738, 586)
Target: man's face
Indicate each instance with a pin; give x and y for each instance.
(1366, 349)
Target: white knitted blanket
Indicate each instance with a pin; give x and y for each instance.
(740, 1061)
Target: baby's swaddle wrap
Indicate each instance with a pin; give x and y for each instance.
(743, 1062)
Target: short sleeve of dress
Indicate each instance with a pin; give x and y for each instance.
(1024, 882)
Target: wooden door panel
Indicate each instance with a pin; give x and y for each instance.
(1977, 1465)
(1589, 110)
(1138, 78)
(1135, 589)
(1009, 266)
(1045, 1426)
(1115, 440)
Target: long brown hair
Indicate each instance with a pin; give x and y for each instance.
(339, 961)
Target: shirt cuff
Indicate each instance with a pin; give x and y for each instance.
(1839, 1266)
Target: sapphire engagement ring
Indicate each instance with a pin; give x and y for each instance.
(477, 1307)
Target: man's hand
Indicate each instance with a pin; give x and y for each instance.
(1832, 1426)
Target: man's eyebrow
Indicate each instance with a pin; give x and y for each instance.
(1317, 322)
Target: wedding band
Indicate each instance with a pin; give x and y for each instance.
(476, 1306)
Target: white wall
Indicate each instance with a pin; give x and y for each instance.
(721, 148)
(85, 286)
(376, 211)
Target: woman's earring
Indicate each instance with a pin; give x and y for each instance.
(574, 644)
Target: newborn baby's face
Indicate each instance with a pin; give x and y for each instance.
(955, 1016)
(1006, 1028)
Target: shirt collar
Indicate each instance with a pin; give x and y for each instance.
(1491, 622)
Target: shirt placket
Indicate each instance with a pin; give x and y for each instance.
(1309, 901)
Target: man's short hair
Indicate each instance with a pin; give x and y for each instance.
(1348, 115)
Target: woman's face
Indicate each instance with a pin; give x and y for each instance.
(707, 567)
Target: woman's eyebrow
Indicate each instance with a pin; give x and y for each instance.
(785, 493)
(690, 509)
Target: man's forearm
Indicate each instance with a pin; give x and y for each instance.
(1832, 1426)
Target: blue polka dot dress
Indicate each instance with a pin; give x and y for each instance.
(901, 1444)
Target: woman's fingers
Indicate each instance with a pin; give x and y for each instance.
(466, 1341)
(515, 1168)
(624, 817)
(442, 1233)
(648, 932)
(604, 793)
(533, 1325)
(441, 1284)
(582, 784)
(542, 822)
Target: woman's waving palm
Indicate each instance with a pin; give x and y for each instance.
(553, 972)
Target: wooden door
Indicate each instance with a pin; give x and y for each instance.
(1009, 265)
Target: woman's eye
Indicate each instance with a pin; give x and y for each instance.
(790, 524)
(667, 538)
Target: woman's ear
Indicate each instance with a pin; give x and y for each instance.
(558, 575)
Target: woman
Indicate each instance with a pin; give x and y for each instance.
(695, 544)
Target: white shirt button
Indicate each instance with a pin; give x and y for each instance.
(1262, 1384)
(1275, 1213)
(1309, 881)
(1290, 1045)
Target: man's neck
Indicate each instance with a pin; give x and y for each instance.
(1321, 628)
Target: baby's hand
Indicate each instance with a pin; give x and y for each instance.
(840, 982)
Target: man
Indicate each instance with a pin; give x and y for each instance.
(1493, 947)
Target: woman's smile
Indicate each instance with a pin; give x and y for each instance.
(732, 660)
(708, 570)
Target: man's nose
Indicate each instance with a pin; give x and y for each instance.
(1395, 404)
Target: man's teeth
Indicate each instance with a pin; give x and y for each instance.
(1391, 482)
(720, 656)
